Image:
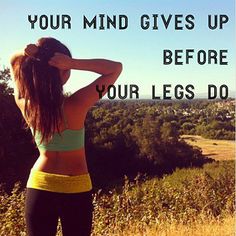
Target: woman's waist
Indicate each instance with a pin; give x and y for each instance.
(67, 163)
(61, 154)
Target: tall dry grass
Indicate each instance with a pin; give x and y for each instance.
(197, 201)
(213, 227)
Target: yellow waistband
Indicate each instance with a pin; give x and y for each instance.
(59, 183)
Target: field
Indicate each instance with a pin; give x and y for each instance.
(189, 202)
(220, 150)
(217, 149)
(225, 227)
(125, 139)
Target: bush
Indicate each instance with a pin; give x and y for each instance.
(185, 196)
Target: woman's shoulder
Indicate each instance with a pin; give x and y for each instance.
(74, 105)
(74, 110)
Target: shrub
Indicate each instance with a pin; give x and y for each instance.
(186, 196)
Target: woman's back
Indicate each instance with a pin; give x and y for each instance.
(65, 154)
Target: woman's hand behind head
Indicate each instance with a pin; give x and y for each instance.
(31, 50)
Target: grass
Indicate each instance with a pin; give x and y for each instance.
(225, 227)
(217, 149)
(189, 202)
(193, 201)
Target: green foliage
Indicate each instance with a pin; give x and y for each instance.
(16, 147)
(186, 196)
(169, 132)
(215, 119)
(122, 138)
(5, 78)
(126, 138)
(216, 130)
(12, 212)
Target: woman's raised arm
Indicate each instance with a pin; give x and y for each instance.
(109, 71)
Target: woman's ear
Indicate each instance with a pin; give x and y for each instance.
(65, 74)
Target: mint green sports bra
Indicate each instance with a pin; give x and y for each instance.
(68, 141)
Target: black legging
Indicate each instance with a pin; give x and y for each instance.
(43, 208)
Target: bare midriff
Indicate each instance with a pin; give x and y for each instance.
(65, 163)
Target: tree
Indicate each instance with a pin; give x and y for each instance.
(5, 77)
(169, 132)
(16, 147)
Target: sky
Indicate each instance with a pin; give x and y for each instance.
(140, 51)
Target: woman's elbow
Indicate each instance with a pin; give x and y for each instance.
(118, 67)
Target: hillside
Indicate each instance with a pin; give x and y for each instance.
(177, 203)
(216, 149)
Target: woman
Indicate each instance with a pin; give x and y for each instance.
(59, 185)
